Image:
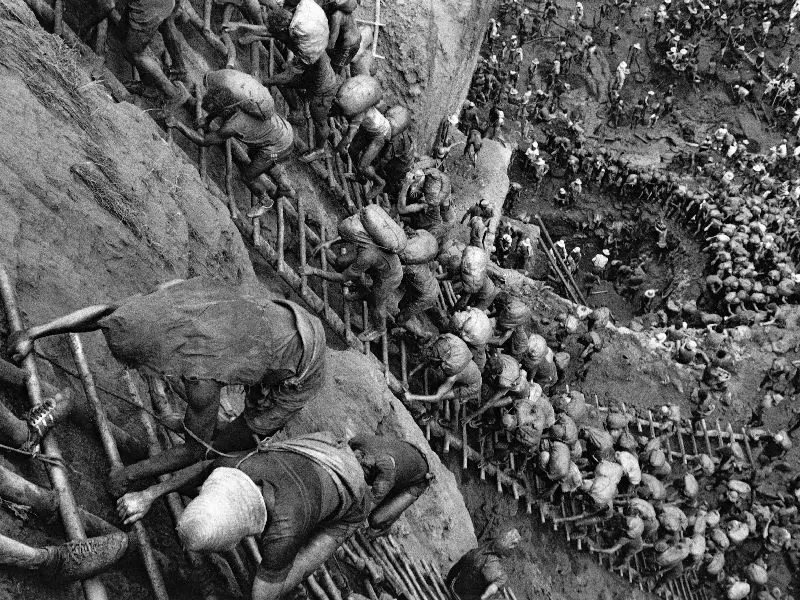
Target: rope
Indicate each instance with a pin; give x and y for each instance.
(205, 444)
(56, 462)
(108, 392)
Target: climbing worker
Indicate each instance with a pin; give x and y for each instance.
(473, 146)
(538, 362)
(513, 322)
(421, 293)
(268, 136)
(145, 19)
(300, 498)
(344, 39)
(306, 34)
(460, 378)
(430, 193)
(367, 134)
(397, 472)
(479, 574)
(202, 335)
(486, 215)
(508, 384)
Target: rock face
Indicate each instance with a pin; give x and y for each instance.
(94, 206)
(431, 49)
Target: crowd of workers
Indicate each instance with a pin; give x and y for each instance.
(490, 364)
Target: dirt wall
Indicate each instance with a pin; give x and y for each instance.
(431, 50)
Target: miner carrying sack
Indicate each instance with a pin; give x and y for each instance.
(202, 335)
(247, 113)
(300, 498)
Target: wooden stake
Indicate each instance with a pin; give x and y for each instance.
(93, 588)
(110, 446)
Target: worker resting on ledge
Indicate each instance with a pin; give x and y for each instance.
(300, 498)
(202, 335)
(398, 473)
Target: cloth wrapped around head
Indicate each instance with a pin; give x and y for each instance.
(229, 508)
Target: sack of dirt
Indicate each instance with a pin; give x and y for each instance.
(603, 489)
(452, 354)
(716, 564)
(383, 230)
(652, 488)
(564, 430)
(616, 420)
(697, 546)
(558, 465)
(757, 574)
(672, 556)
(737, 532)
(514, 313)
(400, 119)
(738, 590)
(229, 89)
(573, 404)
(474, 262)
(630, 465)
(449, 257)
(421, 248)
(352, 229)
(358, 94)
(672, 518)
(309, 31)
(599, 442)
(475, 328)
(627, 441)
(509, 369)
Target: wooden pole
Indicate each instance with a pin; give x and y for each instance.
(93, 588)
(110, 446)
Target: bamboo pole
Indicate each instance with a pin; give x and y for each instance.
(93, 588)
(17, 489)
(173, 499)
(110, 446)
(558, 257)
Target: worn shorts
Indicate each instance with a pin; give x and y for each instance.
(144, 17)
(268, 409)
(320, 106)
(263, 159)
(341, 57)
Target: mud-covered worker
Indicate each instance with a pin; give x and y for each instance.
(473, 146)
(424, 200)
(202, 335)
(269, 141)
(345, 35)
(469, 117)
(300, 498)
(366, 135)
(382, 267)
(309, 69)
(397, 472)
(461, 380)
(420, 294)
(538, 362)
(72, 561)
(481, 299)
(488, 214)
(143, 19)
(513, 322)
(506, 383)
(479, 574)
